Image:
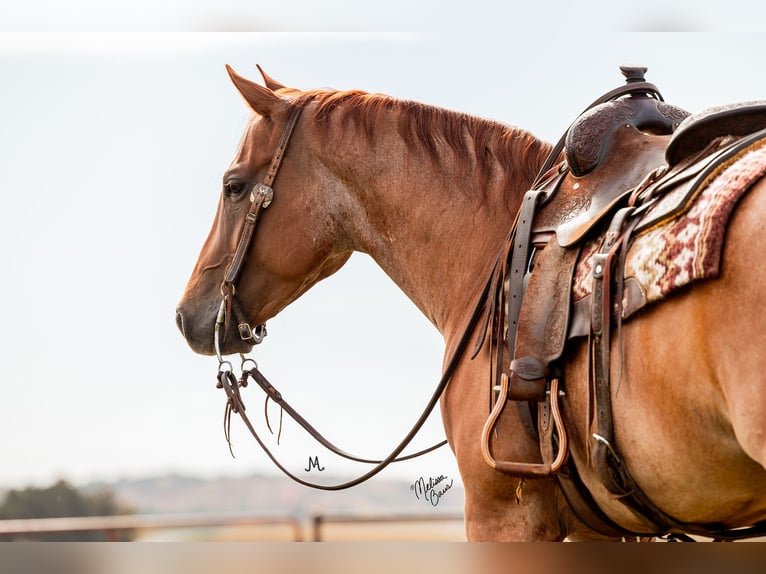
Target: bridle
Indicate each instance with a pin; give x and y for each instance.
(261, 197)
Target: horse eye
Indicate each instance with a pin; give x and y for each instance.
(233, 187)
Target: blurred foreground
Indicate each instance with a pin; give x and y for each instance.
(239, 527)
(252, 508)
(400, 558)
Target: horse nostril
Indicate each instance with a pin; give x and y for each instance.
(180, 322)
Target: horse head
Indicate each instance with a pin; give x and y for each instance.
(282, 259)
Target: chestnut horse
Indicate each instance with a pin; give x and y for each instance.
(430, 195)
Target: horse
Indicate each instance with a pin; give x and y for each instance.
(430, 195)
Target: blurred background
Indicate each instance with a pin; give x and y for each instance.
(115, 130)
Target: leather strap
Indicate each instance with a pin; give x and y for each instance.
(262, 194)
(604, 458)
(520, 262)
(260, 198)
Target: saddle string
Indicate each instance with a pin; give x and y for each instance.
(266, 416)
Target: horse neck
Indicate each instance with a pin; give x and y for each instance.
(434, 222)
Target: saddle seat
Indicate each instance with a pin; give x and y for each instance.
(697, 130)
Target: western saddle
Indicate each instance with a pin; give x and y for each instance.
(625, 151)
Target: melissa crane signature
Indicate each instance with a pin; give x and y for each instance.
(433, 490)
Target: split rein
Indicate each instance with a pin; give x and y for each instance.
(231, 385)
(260, 198)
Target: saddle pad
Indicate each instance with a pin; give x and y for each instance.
(683, 250)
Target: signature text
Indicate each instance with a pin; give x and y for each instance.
(431, 490)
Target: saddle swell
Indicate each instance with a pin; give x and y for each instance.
(580, 202)
(591, 136)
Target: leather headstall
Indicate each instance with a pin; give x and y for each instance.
(261, 197)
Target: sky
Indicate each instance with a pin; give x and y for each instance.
(112, 147)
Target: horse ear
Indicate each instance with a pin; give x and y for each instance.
(270, 82)
(262, 100)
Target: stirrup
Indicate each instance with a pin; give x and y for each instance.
(550, 465)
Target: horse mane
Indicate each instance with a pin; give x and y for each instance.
(480, 143)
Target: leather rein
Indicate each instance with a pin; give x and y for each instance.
(261, 197)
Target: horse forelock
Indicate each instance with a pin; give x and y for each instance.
(480, 147)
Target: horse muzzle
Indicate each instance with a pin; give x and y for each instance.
(198, 327)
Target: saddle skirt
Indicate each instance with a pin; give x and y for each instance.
(672, 254)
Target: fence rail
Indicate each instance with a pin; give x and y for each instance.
(319, 520)
(113, 524)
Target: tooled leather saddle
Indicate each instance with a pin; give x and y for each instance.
(622, 154)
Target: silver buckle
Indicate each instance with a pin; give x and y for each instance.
(265, 191)
(246, 333)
